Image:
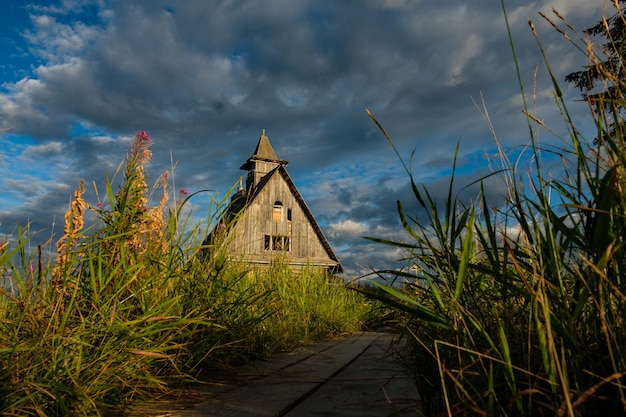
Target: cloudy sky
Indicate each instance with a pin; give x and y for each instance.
(203, 78)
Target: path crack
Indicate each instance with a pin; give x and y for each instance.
(310, 392)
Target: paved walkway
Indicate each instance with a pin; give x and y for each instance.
(351, 376)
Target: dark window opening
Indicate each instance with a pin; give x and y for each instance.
(289, 214)
(277, 243)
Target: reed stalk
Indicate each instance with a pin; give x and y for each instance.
(128, 309)
(519, 309)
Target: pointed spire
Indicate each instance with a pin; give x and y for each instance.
(263, 152)
(264, 149)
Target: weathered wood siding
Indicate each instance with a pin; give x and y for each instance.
(258, 222)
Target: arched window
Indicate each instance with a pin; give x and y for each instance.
(277, 213)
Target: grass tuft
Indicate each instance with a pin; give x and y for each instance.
(519, 309)
(128, 309)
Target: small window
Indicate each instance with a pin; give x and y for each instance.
(277, 213)
(277, 243)
(289, 214)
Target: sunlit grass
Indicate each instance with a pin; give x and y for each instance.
(520, 308)
(133, 304)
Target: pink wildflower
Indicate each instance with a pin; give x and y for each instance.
(142, 136)
(183, 191)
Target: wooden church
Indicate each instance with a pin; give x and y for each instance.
(269, 217)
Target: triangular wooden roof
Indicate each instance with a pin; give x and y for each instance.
(243, 199)
(239, 206)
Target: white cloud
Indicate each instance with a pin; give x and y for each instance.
(578, 8)
(45, 149)
(472, 47)
(103, 140)
(56, 42)
(397, 5)
(292, 96)
(347, 229)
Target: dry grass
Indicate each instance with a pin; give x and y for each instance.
(128, 309)
(519, 310)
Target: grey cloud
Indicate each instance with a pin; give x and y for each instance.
(205, 77)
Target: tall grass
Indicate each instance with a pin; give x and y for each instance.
(128, 308)
(519, 310)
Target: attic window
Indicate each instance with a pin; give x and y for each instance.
(277, 213)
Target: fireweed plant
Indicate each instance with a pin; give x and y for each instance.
(519, 310)
(128, 309)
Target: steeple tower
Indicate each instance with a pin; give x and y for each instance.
(262, 161)
(271, 218)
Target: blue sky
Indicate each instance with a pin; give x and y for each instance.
(79, 77)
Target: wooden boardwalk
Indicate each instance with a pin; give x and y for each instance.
(351, 376)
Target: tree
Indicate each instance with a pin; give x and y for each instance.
(603, 81)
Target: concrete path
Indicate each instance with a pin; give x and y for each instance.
(351, 376)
